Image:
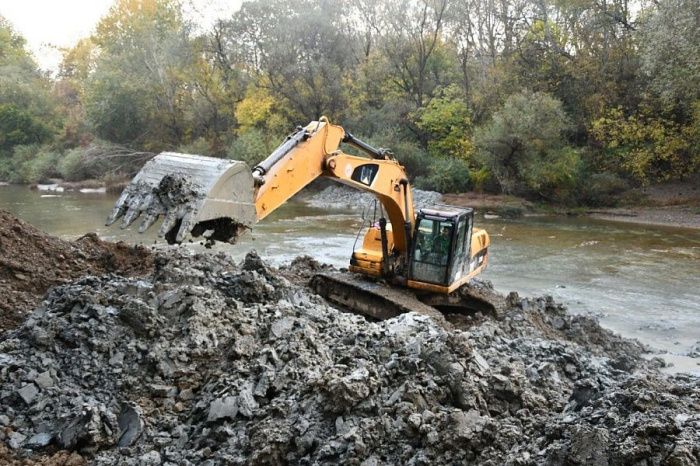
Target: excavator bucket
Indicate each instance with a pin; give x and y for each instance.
(195, 195)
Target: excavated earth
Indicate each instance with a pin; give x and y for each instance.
(31, 262)
(206, 361)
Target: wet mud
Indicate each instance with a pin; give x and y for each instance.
(208, 361)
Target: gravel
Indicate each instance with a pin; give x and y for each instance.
(210, 362)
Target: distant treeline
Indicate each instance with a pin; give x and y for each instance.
(566, 101)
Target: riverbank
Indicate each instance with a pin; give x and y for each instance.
(674, 204)
(208, 360)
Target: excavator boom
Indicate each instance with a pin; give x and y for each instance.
(434, 252)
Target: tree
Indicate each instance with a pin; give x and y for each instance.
(138, 92)
(27, 108)
(447, 126)
(299, 52)
(670, 45)
(524, 147)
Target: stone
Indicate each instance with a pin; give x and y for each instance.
(28, 393)
(223, 408)
(15, 440)
(44, 380)
(39, 440)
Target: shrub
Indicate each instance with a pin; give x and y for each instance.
(32, 164)
(409, 154)
(446, 175)
(70, 165)
(601, 189)
(525, 149)
(251, 147)
(199, 146)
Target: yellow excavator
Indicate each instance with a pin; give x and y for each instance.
(417, 260)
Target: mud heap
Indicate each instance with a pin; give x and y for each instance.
(32, 261)
(210, 362)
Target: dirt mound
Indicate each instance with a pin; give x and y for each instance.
(211, 362)
(31, 262)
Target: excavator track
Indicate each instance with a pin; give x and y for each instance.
(380, 301)
(370, 298)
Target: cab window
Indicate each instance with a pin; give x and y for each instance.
(432, 249)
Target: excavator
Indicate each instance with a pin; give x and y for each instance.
(409, 261)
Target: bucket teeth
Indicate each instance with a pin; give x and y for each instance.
(148, 220)
(192, 194)
(186, 226)
(131, 215)
(168, 223)
(119, 208)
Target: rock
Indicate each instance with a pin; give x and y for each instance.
(212, 362)
(39, 440)
(15, 440)
(130, 425)
(152, 458)
(163, 391)
(223, 408)
(28, 393)
(117, 359)
(44, 380)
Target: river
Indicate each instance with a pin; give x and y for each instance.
(640, 281)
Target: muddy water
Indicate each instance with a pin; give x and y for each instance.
(641, 281)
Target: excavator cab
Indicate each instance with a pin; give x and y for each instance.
(440, 258)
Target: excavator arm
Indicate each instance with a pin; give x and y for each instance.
(218, 198)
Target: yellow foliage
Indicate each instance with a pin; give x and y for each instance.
(647, 147)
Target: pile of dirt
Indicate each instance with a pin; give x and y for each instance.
(210, 362)
(31, 262)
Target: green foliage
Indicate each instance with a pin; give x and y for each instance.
(669, 44)
(250, 147)
(71, 165)
(199, 146)
(31, 164)
(18, 127)
(408, 152)
(446, 124)
(27, 113)
(601, 189)
(446, 175)
(417, 77)
(138, 91)
(524, 147)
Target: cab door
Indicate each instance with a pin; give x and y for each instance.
(460, 257)
(433, 246)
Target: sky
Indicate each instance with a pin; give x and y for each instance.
(49, 25)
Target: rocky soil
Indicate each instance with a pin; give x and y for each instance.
(205, 361)
(32, 261)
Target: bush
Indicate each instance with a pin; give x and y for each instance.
(446, 175)
(199, 146)
(601, 189)
(409, 154)
(251, 147)
(525, 149)
(70, 165)
(31, 164)
(101, 159)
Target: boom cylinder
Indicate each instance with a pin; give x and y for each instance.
(290, 143)
(374, 152)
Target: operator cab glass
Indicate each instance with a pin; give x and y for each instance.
(441, 245)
